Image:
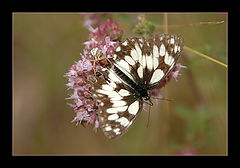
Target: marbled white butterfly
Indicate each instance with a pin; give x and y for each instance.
(139, 65)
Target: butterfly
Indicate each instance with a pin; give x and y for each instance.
(139, 65)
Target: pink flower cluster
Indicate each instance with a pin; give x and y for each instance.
(83, 104)
(109, 28)
(104, 38)
(81, 74)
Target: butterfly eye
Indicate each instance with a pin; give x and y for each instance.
(147, 98)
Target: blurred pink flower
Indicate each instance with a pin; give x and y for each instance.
(92, 19)
(176, 70)
(187, 151)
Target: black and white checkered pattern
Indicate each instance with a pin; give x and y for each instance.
(139, 65)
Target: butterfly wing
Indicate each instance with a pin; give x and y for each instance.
(166, 49)
(119, 107)
(148, 61)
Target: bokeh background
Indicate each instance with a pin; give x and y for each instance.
(45, 45)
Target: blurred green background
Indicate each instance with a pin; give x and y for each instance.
(46, 45)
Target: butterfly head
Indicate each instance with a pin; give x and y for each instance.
(147, 99)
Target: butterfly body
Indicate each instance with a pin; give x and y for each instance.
(140, 91)
(139, 66)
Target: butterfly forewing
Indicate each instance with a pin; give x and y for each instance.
(127, 57)
(149, 61)
(167, 49)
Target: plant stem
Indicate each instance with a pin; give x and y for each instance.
(165, 23)
(193, 84)
(166, 103)
(189, 25)
(204, 56)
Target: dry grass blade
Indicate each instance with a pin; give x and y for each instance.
(204, 56)
(189, 25)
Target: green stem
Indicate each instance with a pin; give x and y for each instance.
(189, 25)
(204, 56)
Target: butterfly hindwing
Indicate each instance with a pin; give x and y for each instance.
(118, 107)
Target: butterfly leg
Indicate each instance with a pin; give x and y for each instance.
(99, 59)
(94, 70)
(105, 57)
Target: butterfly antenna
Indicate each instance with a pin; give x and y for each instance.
(162, 98)
(149, 109)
